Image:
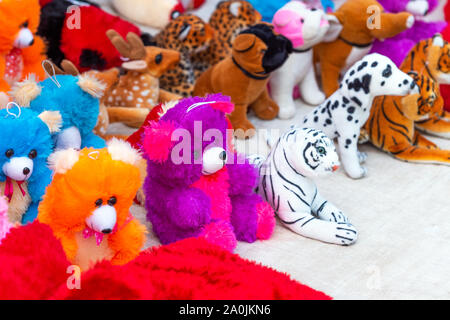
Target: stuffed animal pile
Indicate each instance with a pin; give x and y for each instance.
(373, 71)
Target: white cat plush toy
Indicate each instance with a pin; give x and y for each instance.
(305, 27)
(285, 181)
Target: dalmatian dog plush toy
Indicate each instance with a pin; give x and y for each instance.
(305, 27)
(285, 181)
(343, 114)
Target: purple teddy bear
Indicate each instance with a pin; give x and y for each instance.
(196, 184)
(398, 47)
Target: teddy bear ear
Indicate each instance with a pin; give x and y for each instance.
(158, 140)
(123, 151)
(91, 85)
(26, 91)
(52, 119)
(63, 160)
(244, 42)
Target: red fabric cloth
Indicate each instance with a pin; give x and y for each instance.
(34, 267)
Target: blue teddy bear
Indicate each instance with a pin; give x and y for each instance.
(75, 97)
(25, 144)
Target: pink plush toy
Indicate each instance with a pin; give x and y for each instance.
(5, 225)
(304, 27)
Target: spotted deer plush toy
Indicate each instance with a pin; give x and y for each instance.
(285, 181)
(343, 114)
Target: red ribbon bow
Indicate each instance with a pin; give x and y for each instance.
(9, 188)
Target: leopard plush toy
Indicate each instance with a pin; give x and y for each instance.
(189, 35)
(228, 20)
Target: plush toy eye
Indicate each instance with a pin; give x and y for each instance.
(112, 201)
(321, 150)
(302, 20)
(9, 153)
(98, 202)
(32, 154)
(214, 159)
(158, 58)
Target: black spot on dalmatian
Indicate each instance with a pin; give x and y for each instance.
(328, 121)
(345, 100)
(348, 141)
(352, 72)
(335, 105)
(374, 64)
(351, 109)
(358, 84)
(315, 111)
(349, 118)
(383, 83)
(324, 110)
(316, 119)
(387, 72)
(362, 65)
(357, 101)
(405, 82)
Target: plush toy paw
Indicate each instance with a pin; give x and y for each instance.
(364, 136)
(314, 98)
(346, 234)
(357, 173)
(417, 7)
(331, 213)
(268, 112)
(287, 111)
(220, 233)
(362, 156)
(244, 129)
(266, 220)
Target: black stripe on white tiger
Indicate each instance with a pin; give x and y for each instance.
(286, 183)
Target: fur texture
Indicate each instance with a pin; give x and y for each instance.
(208, 187)
(257, 52)
(356, 38)
(445, 89)
(87, 47)
(189, 269)
(91, 200)
(285, 181)
(390, 126)
(305, 27)
(5, 225)
(398, 47)
(21, 50)
(189, 35)
(343, 114)
(25, 145)
(76, 98)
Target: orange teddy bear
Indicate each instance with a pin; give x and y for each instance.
(21, 51)
(87, 204)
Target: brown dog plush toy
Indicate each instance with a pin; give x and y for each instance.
(363, 21)
(243, 76)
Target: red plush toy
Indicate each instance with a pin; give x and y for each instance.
(445, 88)
(34, 267)
(76, 30)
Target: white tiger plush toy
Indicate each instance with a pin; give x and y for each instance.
(343, 114)
(285, 182)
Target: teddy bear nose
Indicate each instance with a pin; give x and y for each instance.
(106, 231)
(26, 171)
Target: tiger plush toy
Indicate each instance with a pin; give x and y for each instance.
(286, 183)
(228, 20)
(189, 35)
(438, 125)
(390, 126)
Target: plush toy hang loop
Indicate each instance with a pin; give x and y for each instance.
(11, 113)
(53, 76)
(94, 155)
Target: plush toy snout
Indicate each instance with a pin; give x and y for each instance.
(18, 168)
(103, 219)
(24, 38)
